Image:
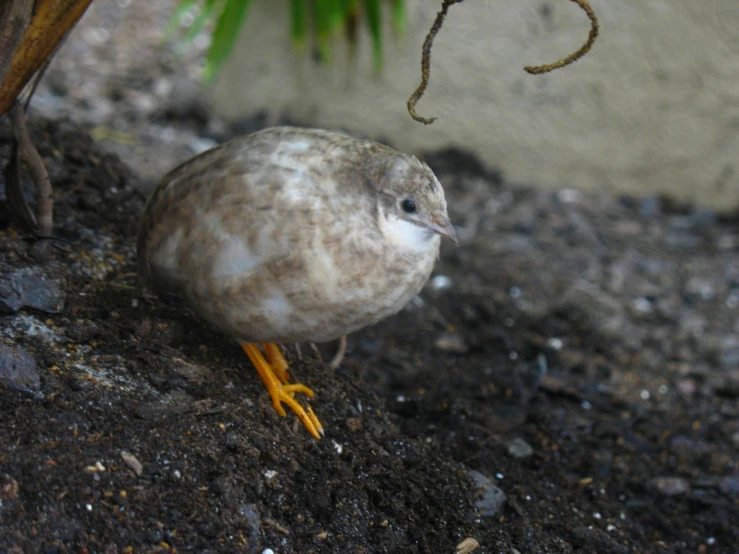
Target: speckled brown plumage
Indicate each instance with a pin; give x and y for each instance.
(292, 235)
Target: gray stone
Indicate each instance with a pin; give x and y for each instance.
(18, 369)
(32, 287)
(490, 498)
(451, 342)
(670, 486)
(519, 448)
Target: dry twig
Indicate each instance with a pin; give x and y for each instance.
(26, 151)
(426, 62)
(51, 21)
(584, 49)
(534, 70)
(15, 17)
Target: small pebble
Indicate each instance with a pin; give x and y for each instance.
(32, 287)
(97, 468)
(440, 282)
(132, 462)
(467, 545)
(251, 519)
(451, 342)
(670, 486)
(555, 343)
(640, 308)
(519, 448)
(490, 498)
(18, 369)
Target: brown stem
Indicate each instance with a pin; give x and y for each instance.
(534, 70)
(28, 153)
(51, 21)
(584, 49)
(15, 17)
(426, 63)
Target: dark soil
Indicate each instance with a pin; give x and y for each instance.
(598, 332)
(577, 353)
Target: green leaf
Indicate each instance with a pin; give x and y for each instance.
(298, 16)
(374, 19)
(399, 17)
(322, 24)
(337, 13)
(328, 16)
(224, 35)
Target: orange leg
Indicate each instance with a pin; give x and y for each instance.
(279, 365)
(275, 378)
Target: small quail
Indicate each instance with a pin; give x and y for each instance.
(293, 235)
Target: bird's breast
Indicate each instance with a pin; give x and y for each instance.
(333, 280)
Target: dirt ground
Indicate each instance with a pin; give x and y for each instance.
(568, 381)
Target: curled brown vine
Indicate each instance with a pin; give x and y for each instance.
(532, 69)
(426, 62)
(584, 49)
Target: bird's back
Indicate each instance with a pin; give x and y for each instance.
(251, 171)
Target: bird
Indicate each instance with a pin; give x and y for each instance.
(292, 235)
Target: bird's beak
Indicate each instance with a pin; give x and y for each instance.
(439, 223)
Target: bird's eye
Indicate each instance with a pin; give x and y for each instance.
(408, 206)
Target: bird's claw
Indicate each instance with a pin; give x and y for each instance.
(275, 377)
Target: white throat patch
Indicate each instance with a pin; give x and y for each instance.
(405, 234)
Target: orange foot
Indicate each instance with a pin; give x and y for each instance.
(275, 377)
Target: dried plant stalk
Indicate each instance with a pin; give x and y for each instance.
(50, 23)
(584, 49)
(28, 153)
(534, 70)
(426, 62)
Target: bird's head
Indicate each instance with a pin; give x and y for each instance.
(412, 207)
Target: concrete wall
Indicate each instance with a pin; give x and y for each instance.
(653, 108)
